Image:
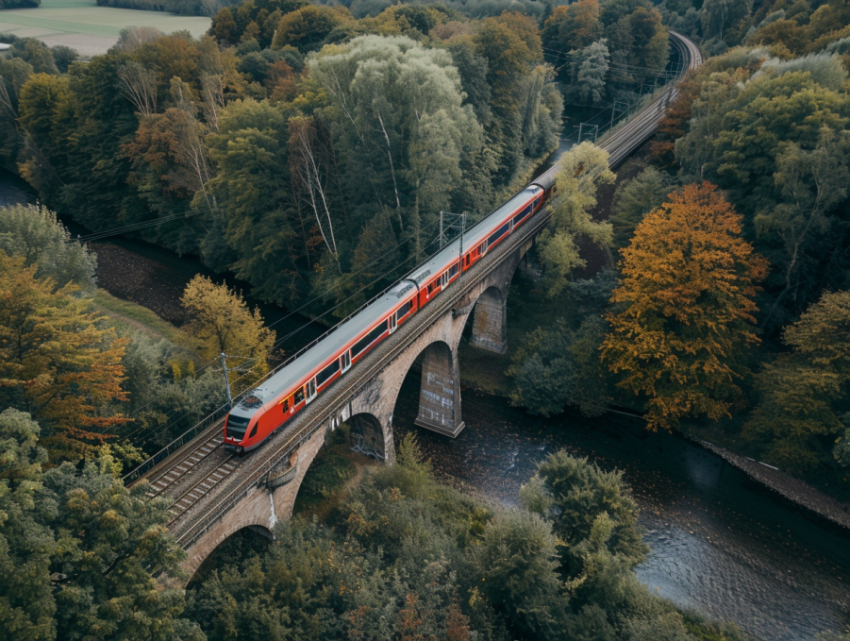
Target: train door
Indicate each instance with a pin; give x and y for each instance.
(393, 323)
(444, 279)
(311, 390)
(346, 361)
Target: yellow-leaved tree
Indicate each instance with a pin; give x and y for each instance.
(220, 321)
(687, 286)
(58, 361)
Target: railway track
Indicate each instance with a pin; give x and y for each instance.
(169, 477)
(184, 502)
(173, 477)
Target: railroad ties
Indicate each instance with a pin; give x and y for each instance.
(176, 485)
(198, 491)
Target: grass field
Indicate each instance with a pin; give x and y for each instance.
(128, 317)
(89, 29)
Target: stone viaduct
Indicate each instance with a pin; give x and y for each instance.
(213, 494)
(369, 410)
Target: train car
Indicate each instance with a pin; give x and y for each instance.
(498, 225)
(299, 382)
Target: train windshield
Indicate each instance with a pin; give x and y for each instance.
(236, 426)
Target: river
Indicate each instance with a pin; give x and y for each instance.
(721, 544)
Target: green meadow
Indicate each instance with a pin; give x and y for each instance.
(88, 28)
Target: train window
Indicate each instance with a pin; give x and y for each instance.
(496, 235)
(285, 405)
(346, 361)
(521, 215)
(299, 396)
(466, 259)
(453, 271)
(236, 426)
(311, 390)
(326, 373)
(364, 343)
(254, 430)
(403, 310)
(430, 289)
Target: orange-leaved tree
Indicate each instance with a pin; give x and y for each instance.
(687, 286)
(221, 321)
(57, 361)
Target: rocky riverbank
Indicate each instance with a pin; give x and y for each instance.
(791, 488)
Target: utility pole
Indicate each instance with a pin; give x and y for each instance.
(623, 109)
(226, 380)
(227, 369)
(443, 238)
(590, 128)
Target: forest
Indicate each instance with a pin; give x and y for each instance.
(308, 149)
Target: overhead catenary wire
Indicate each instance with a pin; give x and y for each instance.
(327, 291)
(281, 340)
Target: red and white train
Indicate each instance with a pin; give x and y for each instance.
(290, 389)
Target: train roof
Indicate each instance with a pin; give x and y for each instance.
(481, 230)
(331, 344)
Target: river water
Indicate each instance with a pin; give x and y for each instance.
(721, 544)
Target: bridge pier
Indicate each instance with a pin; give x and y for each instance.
(439, 396)
(490, 321)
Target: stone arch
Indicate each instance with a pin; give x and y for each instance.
(490, 321)
(261, 509)
(229, 545)
(367, 435)
(200, 553)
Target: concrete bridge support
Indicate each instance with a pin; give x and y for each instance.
(490, 321)
(439, 397)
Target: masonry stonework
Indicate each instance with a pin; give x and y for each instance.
(260, 509)
(370, 410)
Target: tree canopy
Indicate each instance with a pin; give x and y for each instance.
(687, 294)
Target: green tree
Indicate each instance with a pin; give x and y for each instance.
(558, 367)
(516, 563)
(800, 393)
(306, 28)
(35, 234)
(27, 606)
(570, 28)
(634, 199)
(88, 548)
(812, 184)
(574, 493)
(63, 57)
(589, 72)
(396, 112)
(257, 232)
(583, 170)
